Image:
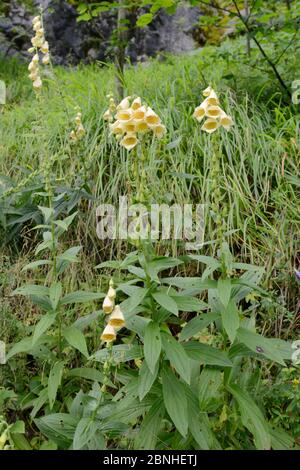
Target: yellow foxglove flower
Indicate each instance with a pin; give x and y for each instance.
(124, 115)
(33, 75)
(212, 99)
(159, 131)
(129, 126)
(31, 50)
(129, 141)
(213, 112)
(139, 114)
(151, 118)
(117, 319)
(36, 19)
(32, 66)
(116, 128)
(80, 131)
(73, 135)
(107, 115)
(199, 112)
(125, 104)
(40, 34)
(37, 84)
(226, 121)
(136, 104)
(210, 125)
(141, 126)
(207, 91)
(108, 305)
(108, 334)
(46, 59)
(45, 47)
(111, 293)
(37, 25)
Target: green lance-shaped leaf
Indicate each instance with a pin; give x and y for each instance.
(152, 345)
(177, 356)
(76, 339)
(175, 401)
(54, 381)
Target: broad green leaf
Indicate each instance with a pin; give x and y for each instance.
(230, 319)
(81, 297)
(55, 294)
(281, 440)
(58, 427)
(31, 289)
(177, 356)
(120, 353)
(190, 283)
(64, 224)
(17, 427)
(205, 354)
(175, 401)
(148, 432)
(152, 345)
(54, 381)
(144, 20)
(47, 212)
(36, 264)
(21, 347)
(20, 442)
(189, 304)
(146, 379)
(166, 302)
(84, 432)
(128, 305)
(86, 373)
(260, 345)
(45, 322)
(210, 381)
(252, 417)
(76, 339)
(194, 326)
(224, 291)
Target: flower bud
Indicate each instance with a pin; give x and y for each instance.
(108, 305)
(117, 319)
(108, 334)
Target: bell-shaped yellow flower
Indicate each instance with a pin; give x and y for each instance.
(226, 121)
(207, 91)
(37, 84)
(116, 128)
(199, 112)
(129, 127)
(45, 47)
(46, 59)
(124, 115)
(108, 305)
(139, 114)
(117, 319)
(111, 293)
(141, 126)
(129, 141)
(212, 99)
(159, 131)
(210, 125)
(213, 112)
(152, 119)
(108, 334)
(136, 104)
(124, 104)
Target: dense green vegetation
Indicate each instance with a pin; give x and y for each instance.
(216, 325)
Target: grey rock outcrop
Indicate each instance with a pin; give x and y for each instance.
(72, 42)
